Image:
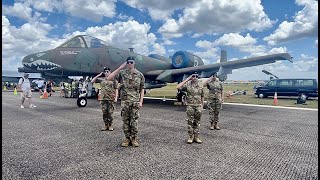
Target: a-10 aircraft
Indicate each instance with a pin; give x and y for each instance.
(85, 55)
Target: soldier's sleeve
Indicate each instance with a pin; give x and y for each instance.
(115, 83)
(142, 82)
(221, 86)
(202, 92)
(208, 84)
(119, 77)
(184, 87)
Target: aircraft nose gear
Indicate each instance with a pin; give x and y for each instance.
(82, 101)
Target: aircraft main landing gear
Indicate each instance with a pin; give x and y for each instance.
(182, 97)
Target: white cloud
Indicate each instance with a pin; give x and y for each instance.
(209, 16)
(125, 17)
(168, 42)
(243, 44)
(93, 10)
(305, 24)
(278, 50)
(18, 42)
(17, 10)
(303, 67)
(204, 44)
(158, 49)
(159, 10)
(316, 42)
(235, 40)
(171, 50)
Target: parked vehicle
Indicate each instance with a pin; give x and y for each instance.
(288, 87)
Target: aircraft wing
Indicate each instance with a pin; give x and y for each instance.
(223, 68)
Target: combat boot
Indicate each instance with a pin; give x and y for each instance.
(216, 126)
(197, 139)
(134, 142)
(106, 127)
(190, 139)
(110, 127)
(125, 142)
(211, 127)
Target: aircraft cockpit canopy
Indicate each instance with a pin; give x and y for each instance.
(84, 41)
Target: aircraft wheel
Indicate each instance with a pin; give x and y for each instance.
(82, 102)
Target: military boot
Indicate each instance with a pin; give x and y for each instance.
(134, 142)
(197, 139)
(106, 127)
(216, 126)
(125, 142)
(190, 139)
(211, 127)
(110, 127)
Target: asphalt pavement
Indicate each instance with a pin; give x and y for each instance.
(58, 140)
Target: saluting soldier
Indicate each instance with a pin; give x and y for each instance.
(215, 99)
(109, 96)
(131, 93)
(195, 99)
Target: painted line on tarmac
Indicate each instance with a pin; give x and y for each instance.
(240, 104)
(281, 107)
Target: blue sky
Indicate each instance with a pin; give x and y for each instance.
(245, 28)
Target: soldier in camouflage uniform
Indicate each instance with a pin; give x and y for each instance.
(109, 95)
(195, 96)
(215, 99)
(131, 94)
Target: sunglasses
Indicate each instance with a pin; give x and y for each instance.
(130, 62)
(196, 76)
(107, 71)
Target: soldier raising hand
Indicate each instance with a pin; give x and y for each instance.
(131, 94)
(195, 98)
(109, 95)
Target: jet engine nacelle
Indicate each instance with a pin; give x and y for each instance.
(183, 59)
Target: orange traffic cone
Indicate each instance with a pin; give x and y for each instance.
(45, 95)
(275, 99)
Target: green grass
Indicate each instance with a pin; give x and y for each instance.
(170, 91)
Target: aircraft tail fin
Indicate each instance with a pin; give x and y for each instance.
(223, 57)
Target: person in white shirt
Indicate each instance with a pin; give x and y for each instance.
(24, 87)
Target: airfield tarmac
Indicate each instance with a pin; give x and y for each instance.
(58, 140)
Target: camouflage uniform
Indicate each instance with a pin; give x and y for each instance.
(131, 85)
(194, 106)
(108, 94)
(214, 100)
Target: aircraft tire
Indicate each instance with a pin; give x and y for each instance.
(82, 102)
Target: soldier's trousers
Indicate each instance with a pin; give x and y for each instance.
(130, 115)
(194, 114)
(107, 108)
(214, 106)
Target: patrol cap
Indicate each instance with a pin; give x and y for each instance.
(195, 74)
(106, 69)
(130, 58)
(25, 75)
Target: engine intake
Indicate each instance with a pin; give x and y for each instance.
(183, 59)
